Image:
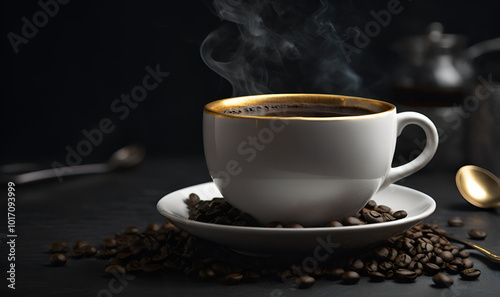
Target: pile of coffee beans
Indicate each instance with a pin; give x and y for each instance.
(422, 250)
(219, 211)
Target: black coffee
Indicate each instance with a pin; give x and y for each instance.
(299, 110)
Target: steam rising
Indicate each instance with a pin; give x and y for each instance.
(276, 46)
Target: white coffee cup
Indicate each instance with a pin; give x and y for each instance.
(306, 169)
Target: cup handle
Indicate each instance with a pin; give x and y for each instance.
(432, 139)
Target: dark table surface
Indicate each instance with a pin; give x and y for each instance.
(95, 207)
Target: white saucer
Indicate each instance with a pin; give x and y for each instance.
(260, 240)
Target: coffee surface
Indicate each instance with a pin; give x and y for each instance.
(299, 110)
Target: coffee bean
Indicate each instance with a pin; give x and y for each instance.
(452, 269)
(464, 253)
(59, 247)
(403, 260)
(468, 263)
(274, 224)
(400, 214)
(477, 234)
(79, 243)
(294, 225)
(386, 266)
(89, 251)
(151, 267)
(377, 276)
(388, 217)
(371, 204)
(58, 259)
(381, 253)
(431, 268)
(356, 264)
(115, 269)
(334, 273)
(405, 275)
(334, 224)
(133, 266)
(352, 221)
(382, 208)
(470, 273)
(305, 282)
(442, 280)
(350, 277)
(233, 278)
(373, 217)
(109, 243)
(370, 266)
(455, 222)
(131, 230)
(447, 256)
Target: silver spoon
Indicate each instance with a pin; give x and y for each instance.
(478, 186)
(127, 156)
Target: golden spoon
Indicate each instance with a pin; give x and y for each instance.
(478, 186)
(491, 255)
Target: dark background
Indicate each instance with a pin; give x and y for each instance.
(66, 77)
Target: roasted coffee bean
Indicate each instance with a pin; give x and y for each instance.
(464, 253)
(274, 224)
(377, 276)
(152, 227)
(381, 253)
(334, 224)
(115, 269)
(77, 253)
(386, 266)
(89, 251)
(352, 221)
(431, 268)
(356, 264)
(233, 278)
(388, 217)
(305, 281)
(371, 204)
(383, 208)
(151, 267)
(79, 243)
(370, 266)
(452, 269)
(59, 247)
(414, 266)
(133, 266)
(334, 273)
(468, 263)
(58, 259)
(400, 214)
(403, 260)
(442, 280)
(447, 256)
(389, 274)
(294, 225)
(373, 217)
(131, 230)
(106, 254)
(109, 243)
(350, 277)
(455, 222)
(470, 273)
(477, 234)
(206, 273)
(405, 275)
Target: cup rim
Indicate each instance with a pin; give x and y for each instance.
(215, 107)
